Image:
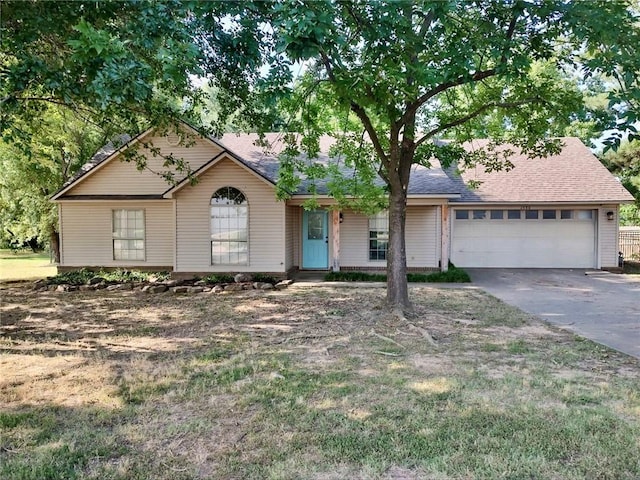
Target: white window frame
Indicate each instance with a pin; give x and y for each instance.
(128, 234)
(375, 223)
(226, 228)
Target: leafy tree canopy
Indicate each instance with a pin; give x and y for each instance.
(413, 73)
(625, 163)
(131, 60)
(33, 169)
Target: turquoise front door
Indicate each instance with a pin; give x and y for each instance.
(315, 239)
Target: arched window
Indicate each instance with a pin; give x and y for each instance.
(229, 227)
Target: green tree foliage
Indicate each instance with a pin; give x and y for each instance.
(102, 60)
(616, 59)
(125, 59)
(625, 164)
(34, 169)
(415, 72)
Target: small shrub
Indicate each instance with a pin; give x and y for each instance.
(216, 278)
(82, 276)
(123, 276)
(76, 277)
(355, 277)
(453, 275)
(264, 278)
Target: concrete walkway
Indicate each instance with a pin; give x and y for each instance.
(601, 306)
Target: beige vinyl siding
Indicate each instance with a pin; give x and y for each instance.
(423, 236)
(293, 239)
(86, 229)
(122, 178)
(608, 237)
(422, 239)
(266, 222)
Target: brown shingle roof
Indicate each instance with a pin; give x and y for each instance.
(423, 181)
(574, 175)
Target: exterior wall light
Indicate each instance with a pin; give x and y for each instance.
(609, 215)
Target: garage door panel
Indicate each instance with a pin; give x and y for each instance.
(524, 243)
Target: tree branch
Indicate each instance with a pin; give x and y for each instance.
(510, 31)
(478, 76)
(426, 23)
(413, 107)
(358, 110)
(474, 114)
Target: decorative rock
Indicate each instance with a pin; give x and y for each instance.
(194, 289)
(181, 289)
(62, 288)
(171, 283)
(217, 289)
(87, 288)
(233, 287)
(145, 288)
(266, 286)
(241, 278)
(117, 286)
(199, 283)
(38, 284)
(101, 285)
(94, 280)
(157, 288)
(283, 284)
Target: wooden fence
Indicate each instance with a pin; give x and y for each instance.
(629, 241)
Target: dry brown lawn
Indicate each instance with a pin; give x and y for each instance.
(317, 383)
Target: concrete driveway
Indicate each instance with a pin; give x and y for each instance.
(601, 306)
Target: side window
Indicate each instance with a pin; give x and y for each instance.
(229, 227)
(128, 234)
(378, 236)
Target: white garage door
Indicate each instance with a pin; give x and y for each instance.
(522, 238)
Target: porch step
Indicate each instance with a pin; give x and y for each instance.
(309, 275)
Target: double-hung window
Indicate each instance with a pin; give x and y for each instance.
(128, 235)
(379, 236)
(229, 227)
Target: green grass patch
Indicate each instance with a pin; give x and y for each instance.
(518, 347)
(453, 275)
(25, 265)
(57, 444)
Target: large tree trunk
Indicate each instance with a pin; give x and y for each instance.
(397, 288)
(54, 245)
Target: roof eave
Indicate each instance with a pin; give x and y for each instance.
(100, 165)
